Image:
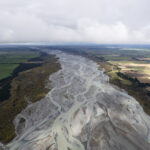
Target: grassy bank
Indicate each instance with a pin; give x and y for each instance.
(27, 86)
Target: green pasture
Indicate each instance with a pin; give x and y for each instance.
(9, 60)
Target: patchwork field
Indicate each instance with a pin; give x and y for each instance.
(134, 69)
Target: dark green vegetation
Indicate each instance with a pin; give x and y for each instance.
(24, 62)
(13, 61)
(27, 85)
(127, 66)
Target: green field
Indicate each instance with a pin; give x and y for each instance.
(9, 60)
(6, 70)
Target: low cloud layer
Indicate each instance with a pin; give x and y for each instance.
(67, 21)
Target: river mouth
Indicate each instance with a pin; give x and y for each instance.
(82, 112)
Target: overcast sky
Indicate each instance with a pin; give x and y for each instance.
(67, 21)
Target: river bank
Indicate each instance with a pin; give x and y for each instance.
(27, 85)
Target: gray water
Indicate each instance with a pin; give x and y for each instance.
(82, 112)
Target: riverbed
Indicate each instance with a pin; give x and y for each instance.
(82, 112)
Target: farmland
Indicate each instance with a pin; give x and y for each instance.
(10, 59)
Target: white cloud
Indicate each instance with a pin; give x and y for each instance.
(97, 21)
